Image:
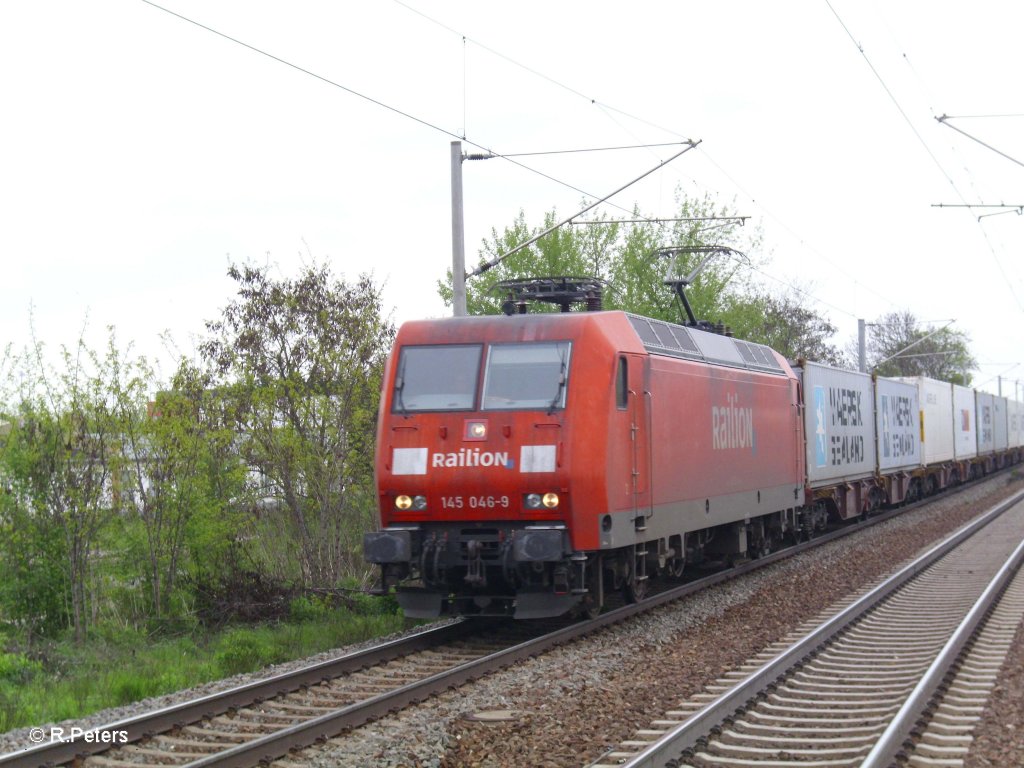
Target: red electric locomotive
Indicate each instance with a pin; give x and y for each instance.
(526, 464)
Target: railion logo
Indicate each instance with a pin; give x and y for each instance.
(732, 425)
(472, 457)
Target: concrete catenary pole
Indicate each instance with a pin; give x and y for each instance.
(458, 235)
(860, 347)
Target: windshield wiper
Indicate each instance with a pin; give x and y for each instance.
(561, 386)
(400, 388)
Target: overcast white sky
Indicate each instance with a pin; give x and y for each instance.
(139, 152)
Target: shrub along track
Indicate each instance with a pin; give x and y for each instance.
(301, 709)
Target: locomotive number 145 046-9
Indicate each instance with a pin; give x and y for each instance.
(475, 502)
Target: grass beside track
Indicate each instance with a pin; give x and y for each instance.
(64, 681)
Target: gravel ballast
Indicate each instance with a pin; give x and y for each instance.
(999, 740)
(570, 705)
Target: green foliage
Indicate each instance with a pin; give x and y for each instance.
(786, 324)
(624, 256)
(34, 586)
(123, 499)
(375, 605)
(56, 459)
(18, 669)
(310, 608)
(296, 368)
(126, 686)
(243, 650)
(173, 467)
(121, 664)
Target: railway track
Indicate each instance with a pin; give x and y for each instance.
(268, 719)
(902, 670)
(244, 725)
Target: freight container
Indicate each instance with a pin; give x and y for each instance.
(897, 425)
(839, 424)
(936, 401)
(986, 423)
(965, 429)
(999, 424)
(1013, 414)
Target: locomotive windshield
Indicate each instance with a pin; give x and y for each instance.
(437, 378)
(531, 375)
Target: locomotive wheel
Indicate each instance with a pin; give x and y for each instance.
(589, 608)
(765, 546)
(593, 601)
(634, 590)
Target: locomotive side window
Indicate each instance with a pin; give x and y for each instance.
(531, 375)
(622, 384)
(437, 378)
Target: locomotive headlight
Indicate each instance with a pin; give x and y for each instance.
(415, 503)
(475, 430)
(541, 501)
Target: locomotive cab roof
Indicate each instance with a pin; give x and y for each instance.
(624, 331)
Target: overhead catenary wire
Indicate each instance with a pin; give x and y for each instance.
(428, 123)
(741, 219)
(502, 256)
(594, 149)
(944, 120)
(534, 72)
(914, 344)
(377, 102)
(923, 86)
(838, 268)
(1018, 209)
(485, 148)
(924, 144)
(893, 99)
(979, 117)
(607, 109)
(449, 133)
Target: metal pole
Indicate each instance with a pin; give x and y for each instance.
(860, 347)
(458, 236)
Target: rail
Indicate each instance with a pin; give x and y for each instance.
(686, 735)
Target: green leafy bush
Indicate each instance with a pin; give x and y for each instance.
(243, 650)
(304, 608)
(18, 668)
(374, 605)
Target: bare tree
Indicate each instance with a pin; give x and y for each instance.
(787, 324)
(298, 363)
(900, 345)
